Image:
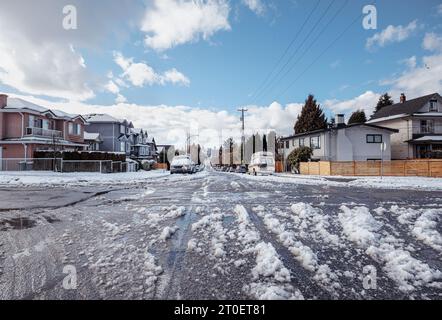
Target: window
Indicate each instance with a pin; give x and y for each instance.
(31, 122)
(433, 106)
(287, 144)
(78, 129)
(122, 129)
(71, 128)
(302, 142)
(374, 138)
(315, 142)
(123, 146)
(427, 126)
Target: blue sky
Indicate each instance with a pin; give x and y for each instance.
(212, 55)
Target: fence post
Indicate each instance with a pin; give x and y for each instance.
(61, 165)
(100, 168)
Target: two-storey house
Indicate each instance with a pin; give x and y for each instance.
(143, 147)
(115, 133)
(26, 127)
(342, 142)
(419, 125)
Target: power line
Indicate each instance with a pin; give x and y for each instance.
(296, 51)
(312, 43)
(262, 85)
(322, 53)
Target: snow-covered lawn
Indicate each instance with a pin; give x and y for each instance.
(418, 183)
(33, 178)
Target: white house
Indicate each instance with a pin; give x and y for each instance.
(419, 125)
(341, 142)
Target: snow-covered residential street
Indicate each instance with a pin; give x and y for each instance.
(219, 236)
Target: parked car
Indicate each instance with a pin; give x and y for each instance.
(262, 163)
(241, 169)
(182, 164)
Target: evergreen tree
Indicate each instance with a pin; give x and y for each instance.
(358, 117)
(384, 100)
(311, 117)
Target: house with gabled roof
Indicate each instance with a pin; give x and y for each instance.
(342, 142)
(114, 133)
(419, 125)
(26, 127)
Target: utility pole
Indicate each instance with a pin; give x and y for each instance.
(243, 138)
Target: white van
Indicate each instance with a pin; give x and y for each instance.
(262, 163)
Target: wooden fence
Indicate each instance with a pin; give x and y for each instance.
(400, 168)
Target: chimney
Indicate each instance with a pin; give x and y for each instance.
(403, 98)
(340, 120)
(3, 100)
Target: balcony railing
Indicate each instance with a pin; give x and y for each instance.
(40, 132)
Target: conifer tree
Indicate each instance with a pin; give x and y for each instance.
(311, 118)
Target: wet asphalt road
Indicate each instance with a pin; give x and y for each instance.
(143, 241)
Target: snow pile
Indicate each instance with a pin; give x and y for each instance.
(247, 234)
(359, 225)
(235, 185)
(307, 216)
(408, 272)
(271, 279)
(418, 183)
(168, 232)
(174, 212)
(422, 223)
(268, 264)
(302, 253)
(211, 227)
(48, 178)
(425, 229)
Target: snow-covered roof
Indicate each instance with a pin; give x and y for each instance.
(91, 136)
(429, 138)
(17, 103)
(388, 118)
(101, 118)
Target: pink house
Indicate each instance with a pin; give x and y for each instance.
(26, 127)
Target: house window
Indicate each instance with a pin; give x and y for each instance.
(122, 129)
(433, 106)
(71, 128)
(122, 146)
(427, 126)
(302, 142)
(315, 142)
(78, 129)
(287, 144)
(374, 138)
(31, 122)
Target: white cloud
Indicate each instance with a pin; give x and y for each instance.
(141, 74)
(366, 101)
(432, 42)
(169, 23)
(410, 62)
(391, 34)
(112, 87)
(37, 55)
(175, 77)
(419, 81)
(439, 9)
(257, 6)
